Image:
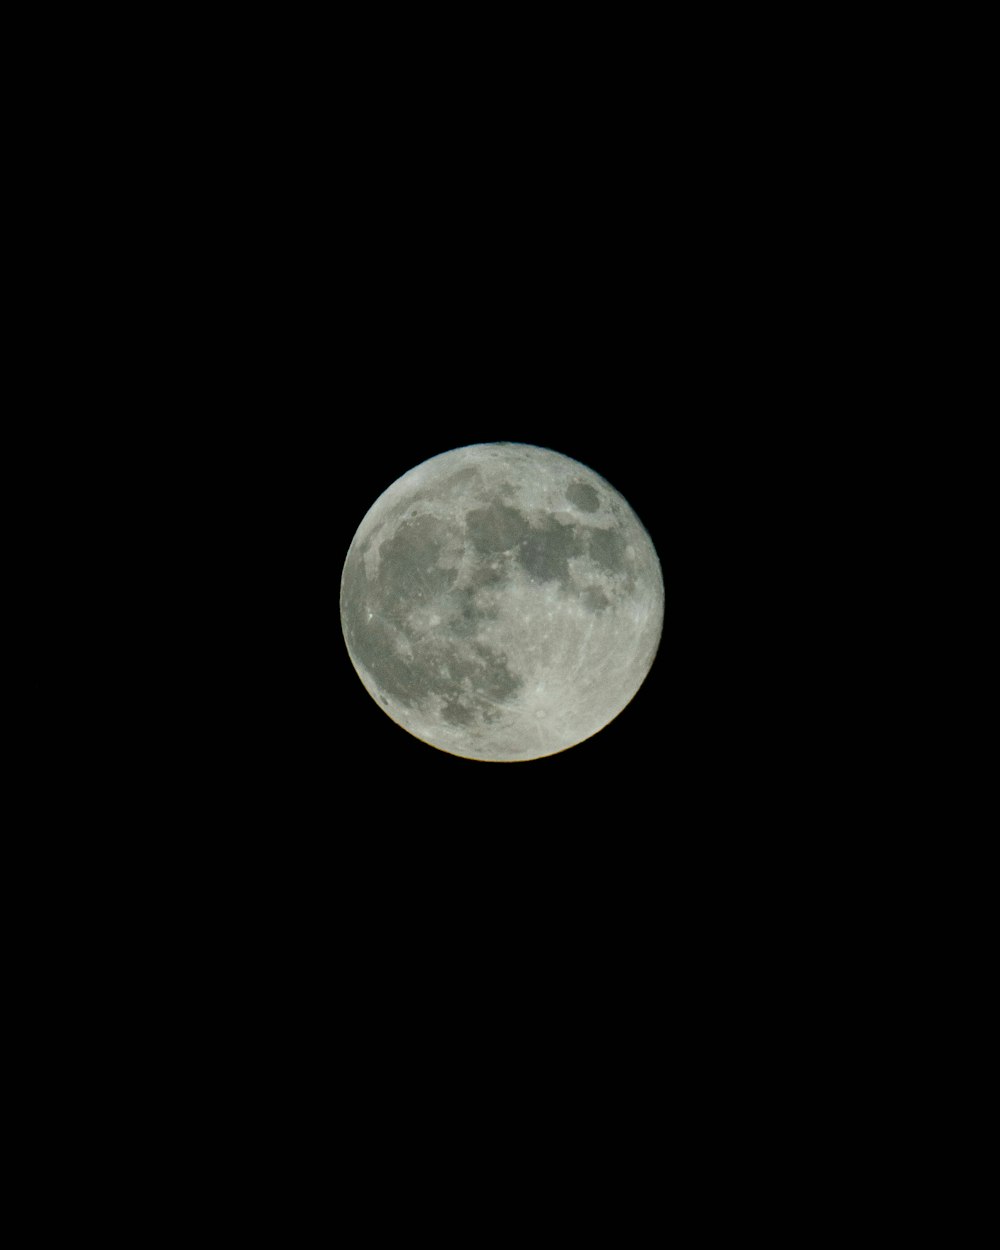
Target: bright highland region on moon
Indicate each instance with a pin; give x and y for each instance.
(501, 602)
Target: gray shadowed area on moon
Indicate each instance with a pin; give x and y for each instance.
(501, 602)
(496, 528)
(409, 659)
(583, 497)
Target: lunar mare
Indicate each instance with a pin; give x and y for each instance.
(501, 602)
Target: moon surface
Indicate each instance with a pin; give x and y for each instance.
(501, 602)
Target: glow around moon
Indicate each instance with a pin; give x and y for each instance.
(501, 602)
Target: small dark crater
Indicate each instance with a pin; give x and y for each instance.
(583, 497)
(405, 507)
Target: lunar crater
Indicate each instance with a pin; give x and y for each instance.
(583, 497)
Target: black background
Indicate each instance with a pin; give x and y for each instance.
(329, 323)
(320, 286)
(282, 267)
(318, 283)
(323, 278)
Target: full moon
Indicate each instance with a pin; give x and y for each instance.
(501, 602)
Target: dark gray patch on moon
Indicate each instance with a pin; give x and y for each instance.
(491, 676)
(375, 643)
(594, 599)
(455, 714)
(409, 569)
(545, 553)
(413, 666)
(455, 481)
(607, 548)
(406, 506)
(496, 528)
(468, 614)
(583, 497)
(486, 575)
